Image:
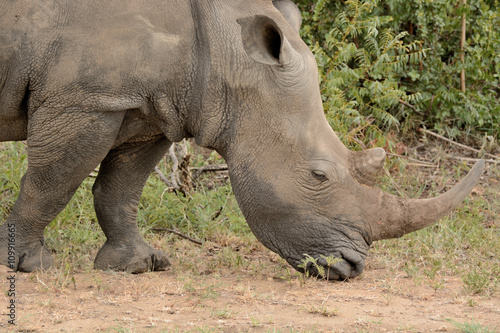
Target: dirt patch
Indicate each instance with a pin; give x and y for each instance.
(377, 301)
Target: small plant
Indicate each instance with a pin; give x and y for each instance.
(389, 291)
(211, 291)
(311, 266)
(476, 281)
(255, 321)
(435, 281)
(471, 327)
(411, 270)
(188, 287)
(472, 303)
(323, 310)
(222, 313)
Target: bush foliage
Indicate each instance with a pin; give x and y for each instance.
(395, 65)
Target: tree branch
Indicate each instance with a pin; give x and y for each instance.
(411, 107)
(162, 176)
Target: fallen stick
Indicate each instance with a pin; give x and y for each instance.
(412, 159)
(456, 143)
(174, 231)
(468, 159)
(207, 168)
(422, 165)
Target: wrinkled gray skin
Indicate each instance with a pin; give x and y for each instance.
(116, 82)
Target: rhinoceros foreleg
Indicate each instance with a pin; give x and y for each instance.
(117, 191)
(64, 146)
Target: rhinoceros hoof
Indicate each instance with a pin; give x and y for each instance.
(135, 257)
(33, 257)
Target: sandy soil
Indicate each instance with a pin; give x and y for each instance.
(241, 301)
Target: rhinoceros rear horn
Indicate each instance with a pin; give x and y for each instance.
(263, 40)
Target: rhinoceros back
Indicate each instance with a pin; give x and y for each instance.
(108, 54)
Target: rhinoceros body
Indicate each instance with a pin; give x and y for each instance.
(116, 82)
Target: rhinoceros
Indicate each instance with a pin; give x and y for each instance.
(115, 83)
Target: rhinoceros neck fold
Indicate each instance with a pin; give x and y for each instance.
(218, 69)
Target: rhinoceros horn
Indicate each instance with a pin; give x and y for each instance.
(392, 217)
(365, 165)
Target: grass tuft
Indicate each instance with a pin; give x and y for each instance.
(470, 327)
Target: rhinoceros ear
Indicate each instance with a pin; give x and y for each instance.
(264, 41)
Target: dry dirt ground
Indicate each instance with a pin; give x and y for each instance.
(242, 301)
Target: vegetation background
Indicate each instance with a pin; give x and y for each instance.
(396, 65)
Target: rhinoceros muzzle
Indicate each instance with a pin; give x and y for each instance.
(335, 267)
(351, 265)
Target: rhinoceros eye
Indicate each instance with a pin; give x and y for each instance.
(319, 175)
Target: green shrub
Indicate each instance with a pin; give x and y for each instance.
(387, 64)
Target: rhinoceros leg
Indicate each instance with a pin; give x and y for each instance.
(117, 191)
(64, 146)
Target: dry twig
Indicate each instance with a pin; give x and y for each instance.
(178, 233)
(457, 144)
(411, 107)
(422, 165)
(175, 167)
(428, 164)
(468, 159)
(398, 188)
(162, 176)
(206, 168)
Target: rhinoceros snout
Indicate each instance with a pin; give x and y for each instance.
(340, 266)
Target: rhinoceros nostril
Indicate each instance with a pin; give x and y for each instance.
(340, 270)
(344, 269)
(331, 274)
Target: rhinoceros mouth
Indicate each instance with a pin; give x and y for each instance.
(343, 268)
(341, 265)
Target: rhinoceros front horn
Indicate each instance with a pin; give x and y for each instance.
(392, 217)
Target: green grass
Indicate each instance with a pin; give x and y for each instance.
(223, 313)
(464, 244)
(471, 327)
